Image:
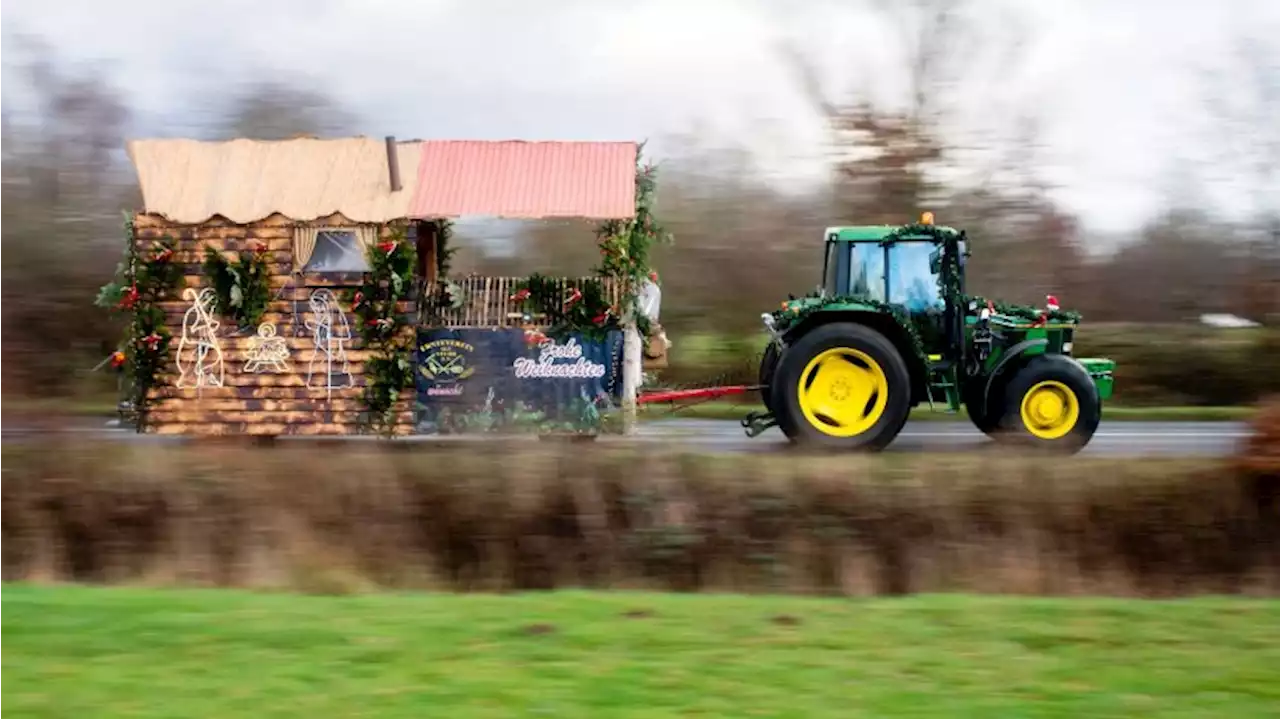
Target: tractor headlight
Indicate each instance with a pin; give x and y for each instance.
(767, 319)
(1066, 348)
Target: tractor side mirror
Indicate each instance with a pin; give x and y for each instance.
(935, 261)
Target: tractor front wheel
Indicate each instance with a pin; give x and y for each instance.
(841, 386)
(1051, 403)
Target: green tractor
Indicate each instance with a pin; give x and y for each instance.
(892, 327)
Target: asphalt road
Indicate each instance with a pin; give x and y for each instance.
(1198, 439)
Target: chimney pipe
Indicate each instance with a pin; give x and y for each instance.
(393, 163)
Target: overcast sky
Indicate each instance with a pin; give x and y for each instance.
(1116, 84)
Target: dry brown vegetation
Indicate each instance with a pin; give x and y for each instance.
(324, 519)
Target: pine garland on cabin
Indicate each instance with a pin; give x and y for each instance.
(143, 280)
(385, 330)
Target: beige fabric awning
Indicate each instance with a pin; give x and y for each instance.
(190, 181)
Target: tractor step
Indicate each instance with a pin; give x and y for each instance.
(939, 380)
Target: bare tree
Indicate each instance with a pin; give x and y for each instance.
(1243, 103)
(65, 184)
(278, 110)
(892, 152)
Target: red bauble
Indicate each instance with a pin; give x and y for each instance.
(129, 297)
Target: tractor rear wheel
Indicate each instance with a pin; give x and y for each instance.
(768, 366)
(985, 416)
(842, 386)
(1051, 403)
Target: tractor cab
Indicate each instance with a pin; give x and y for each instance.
(903, 271)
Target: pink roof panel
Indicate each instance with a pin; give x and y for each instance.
(519, 179)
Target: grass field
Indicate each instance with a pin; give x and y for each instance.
(152, 653)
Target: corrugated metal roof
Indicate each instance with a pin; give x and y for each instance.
(525, 179)
(189, 181)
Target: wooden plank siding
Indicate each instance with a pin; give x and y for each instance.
(259, 403)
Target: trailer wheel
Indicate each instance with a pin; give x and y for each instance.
(842, 386)
(1051, 403)
(768, 366)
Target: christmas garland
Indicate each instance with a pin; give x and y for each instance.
(793, 314)
(376, 305)
(143, 280)
(1028, 313)
(569, 307)
(242, 288)
(625, 245)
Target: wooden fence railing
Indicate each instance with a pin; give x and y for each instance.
(486, 301)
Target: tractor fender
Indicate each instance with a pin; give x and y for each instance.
(1015, 352)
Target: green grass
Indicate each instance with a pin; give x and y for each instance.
(738, 410)
(151, 653)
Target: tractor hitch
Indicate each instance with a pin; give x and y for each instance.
(757, 422)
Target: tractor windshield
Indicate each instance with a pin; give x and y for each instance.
(912, 283)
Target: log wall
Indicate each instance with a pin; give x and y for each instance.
(258, 403)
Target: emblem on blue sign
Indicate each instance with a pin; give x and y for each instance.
(445, 364)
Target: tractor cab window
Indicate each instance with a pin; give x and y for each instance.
(866, 269)
(831, 269)
(913, 283)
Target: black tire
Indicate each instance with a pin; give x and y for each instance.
(768, 365)
(987, 419)
(1063, 372)
(786, 390)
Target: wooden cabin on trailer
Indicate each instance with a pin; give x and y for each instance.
(314, 207)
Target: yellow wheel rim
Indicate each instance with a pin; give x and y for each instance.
(843, 392)
(1050, 410)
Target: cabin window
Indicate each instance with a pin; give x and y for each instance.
(337, 251)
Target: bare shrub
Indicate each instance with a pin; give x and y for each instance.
(340, 521)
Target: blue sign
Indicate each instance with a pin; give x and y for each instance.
(483, 380)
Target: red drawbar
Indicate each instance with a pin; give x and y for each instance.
(676, 395)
